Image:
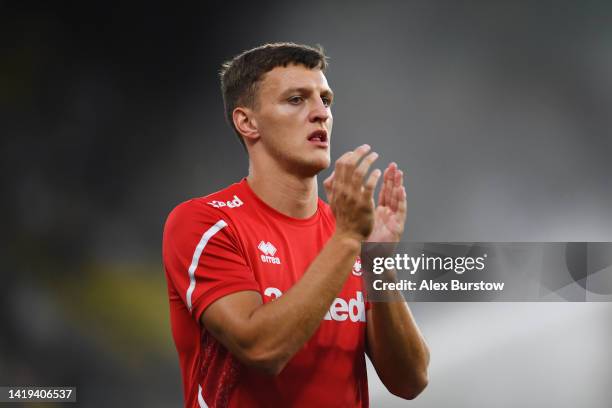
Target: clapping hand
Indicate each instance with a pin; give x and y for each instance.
(390, 213)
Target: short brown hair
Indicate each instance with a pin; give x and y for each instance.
(241, 75)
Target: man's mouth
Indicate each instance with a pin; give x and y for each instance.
(318, 137)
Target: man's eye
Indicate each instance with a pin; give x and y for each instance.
(326, 101)
(295, 100)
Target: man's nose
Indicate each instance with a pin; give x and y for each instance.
(319, 112)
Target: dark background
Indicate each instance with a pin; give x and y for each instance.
(498, 112)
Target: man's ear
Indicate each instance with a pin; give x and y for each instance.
(245, 123)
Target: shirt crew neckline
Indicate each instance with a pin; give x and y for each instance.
(277, 214)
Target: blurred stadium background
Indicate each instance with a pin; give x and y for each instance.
(499, 113)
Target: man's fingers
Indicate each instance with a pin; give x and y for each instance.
(340, 167)
(402, 206)
(328, 184)
(370, 185)
(397, 190)
(329, 181)
(388, 183)
(381, 193)
(400, 200)
(347, 162)
(399, 176)
(357, 154)
(352, 160)
(362, 170)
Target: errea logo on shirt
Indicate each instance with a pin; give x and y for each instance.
(236, 202)
(268, 250)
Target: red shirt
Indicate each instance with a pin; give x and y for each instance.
(232, 241)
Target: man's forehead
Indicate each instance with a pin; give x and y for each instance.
(293, 76)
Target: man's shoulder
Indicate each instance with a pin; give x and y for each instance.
(211, 206)
(228, 198)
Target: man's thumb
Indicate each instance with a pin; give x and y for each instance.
(328, 184)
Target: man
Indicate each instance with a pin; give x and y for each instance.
(266, 297)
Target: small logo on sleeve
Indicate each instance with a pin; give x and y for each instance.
(268, 251)
(236, 202)
(357, 267)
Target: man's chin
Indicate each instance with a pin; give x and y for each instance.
(312, 168)
(321, 164)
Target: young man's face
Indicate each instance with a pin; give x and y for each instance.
(294, 118)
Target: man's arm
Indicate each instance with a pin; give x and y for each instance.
(397, 348)
(395, 344)
(267, 336)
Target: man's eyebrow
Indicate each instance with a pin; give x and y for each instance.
(328, 92)
(301, 90)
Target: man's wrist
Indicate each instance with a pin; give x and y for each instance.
(348, 240)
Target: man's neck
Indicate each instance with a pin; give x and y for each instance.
(287, 193)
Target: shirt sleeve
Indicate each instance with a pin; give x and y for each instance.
(201, 257)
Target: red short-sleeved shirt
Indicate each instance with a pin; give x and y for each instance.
(232, 241)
